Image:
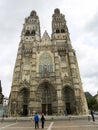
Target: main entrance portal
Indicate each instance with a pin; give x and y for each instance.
(68, 95)
(47, 109)
(23, 101)
(47, 95)
(25, 110)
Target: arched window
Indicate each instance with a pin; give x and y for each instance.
(57, 31)
(45, 62)
(33, 33)
(27, 33)
(62, 31)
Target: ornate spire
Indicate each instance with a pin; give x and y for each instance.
(59, 27)
(31, 28)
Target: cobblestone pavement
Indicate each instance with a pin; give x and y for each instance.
(51, 125)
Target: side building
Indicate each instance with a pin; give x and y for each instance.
(1, 100)
(46, 76)
(1, 95)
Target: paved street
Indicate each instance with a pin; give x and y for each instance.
(51, 125)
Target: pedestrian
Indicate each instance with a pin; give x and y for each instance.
(42, 120)
(92, 114)
(65, 112)
(36, 120)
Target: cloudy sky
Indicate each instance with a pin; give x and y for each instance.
(82, 22)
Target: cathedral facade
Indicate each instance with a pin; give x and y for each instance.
(46, 76)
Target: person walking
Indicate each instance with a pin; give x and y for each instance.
(36, 120)
(42, 120)
(92, 114)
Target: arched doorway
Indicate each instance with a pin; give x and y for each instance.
(23, 101)
(68, 96)
(47, 95)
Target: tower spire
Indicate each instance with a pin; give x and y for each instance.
(59, 27)
(31, 28)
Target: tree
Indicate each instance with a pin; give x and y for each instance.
(92, 103)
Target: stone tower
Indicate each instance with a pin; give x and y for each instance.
(46, 76)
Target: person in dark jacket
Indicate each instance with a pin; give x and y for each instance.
(36, 120)
(92, 114)
(42, 120)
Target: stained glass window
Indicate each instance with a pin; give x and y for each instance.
(45, 62)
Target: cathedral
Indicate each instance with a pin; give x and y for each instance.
(46, 76)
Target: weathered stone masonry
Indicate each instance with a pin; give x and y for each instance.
(46, 76)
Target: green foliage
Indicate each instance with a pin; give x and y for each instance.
(92, 103)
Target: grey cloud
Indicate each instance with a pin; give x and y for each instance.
(92, 25)
(90, 84)
(87, 55)
(89, 67)
(91, 73)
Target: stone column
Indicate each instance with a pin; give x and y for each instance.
(77, 85)
(60, 103)
(32, 102)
